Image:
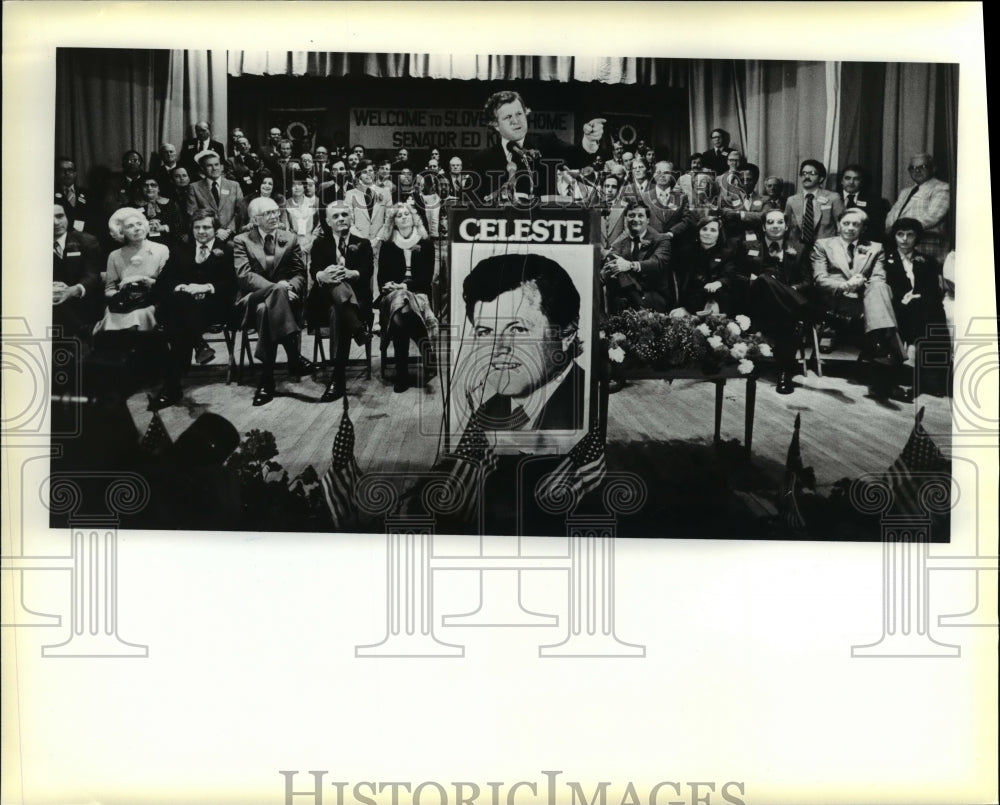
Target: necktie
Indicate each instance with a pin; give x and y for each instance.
(215, 192)
(510, 152)
(850, 256)
(808, 221)
(775, 248)
(202, 253)
(370, 201)
(269, 245)
(909, 198)
(57, 249)
(635, 247)
(343, 249)
(851, 200)
(70, 196)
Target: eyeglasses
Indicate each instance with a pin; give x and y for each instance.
(808, 173)
(270, 213)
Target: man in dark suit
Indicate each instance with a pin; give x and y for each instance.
(522, 166)
(271, 277)
(202, 141)
(161, 165)
(283, 167)
(77, 290)
(524, 311)
(73, 198)
(243, 166)
(636, 272)
(269, 150)
(342, 266)
(716, 158)
(196, 289)
(854, 192)
(669, 213)
(221, 196)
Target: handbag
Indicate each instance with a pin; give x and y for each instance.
(132, 297)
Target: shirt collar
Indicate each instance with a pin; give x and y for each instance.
(62, 240)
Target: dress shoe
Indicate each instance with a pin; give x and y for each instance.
(361, 335)
(785, 385)
(166, 398)
(204, 354)
(402, 384)
(902, 394)
(301, 367)
(333, 392)
(263, 395)
(616, 384)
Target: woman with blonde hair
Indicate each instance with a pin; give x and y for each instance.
(131, 272)
(405, 275)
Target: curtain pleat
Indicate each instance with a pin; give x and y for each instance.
(196, 90)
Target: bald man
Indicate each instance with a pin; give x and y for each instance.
(202, 141)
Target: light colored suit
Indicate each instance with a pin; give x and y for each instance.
(929, 205)
(832, 269)
(827, 207)
(368, 226)
(263, 303)
(230, 195)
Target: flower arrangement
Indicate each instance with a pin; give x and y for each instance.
(682, 340)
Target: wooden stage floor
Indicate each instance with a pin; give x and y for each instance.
(844, 433)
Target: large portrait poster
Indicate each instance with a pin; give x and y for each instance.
(521, 305)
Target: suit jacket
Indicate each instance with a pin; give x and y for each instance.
(674, 217)
(242, 168)
(491, 166)
(831, 268)
(392, 266)
(717, 162)
(914, 316)
(562, 411)
(754, 257)
(81, 263)
(827, 207)
(654, 262)
(250, 262)
(194, 146)
(218, 269)
(929, 205)
(696, 266)
(875, 207)
(359, 258)
(612, 223)
(230, 196)
(367, 225)
(79, 214)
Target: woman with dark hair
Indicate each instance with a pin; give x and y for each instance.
(163, 215)
(264, 187)
(405, 275)
(916, 282)
(706, 272)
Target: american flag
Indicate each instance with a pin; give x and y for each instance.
(796, 477)
(920, 458)
(155, 441)
(339, 481)
(581, 471)
(473, 459)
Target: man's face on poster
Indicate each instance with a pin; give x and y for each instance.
(527, 350)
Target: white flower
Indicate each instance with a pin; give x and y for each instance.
(715, 342)
(738, 350)
(617, 338)
(703, 329)
(678, 313)
(616, 354)
(733, 328)
(765, 350)
(743, 322)
(745, 367)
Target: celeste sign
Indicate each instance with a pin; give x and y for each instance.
(465, 129)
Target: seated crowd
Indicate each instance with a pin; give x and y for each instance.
(278, 239)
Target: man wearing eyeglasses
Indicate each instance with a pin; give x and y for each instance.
(928, 201)
(813, 212)
(272, 282)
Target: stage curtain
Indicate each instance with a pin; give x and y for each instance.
(717, 99)
(477, 67)
(106, 104)
(908, 122)
(196, 90)
(790, 116)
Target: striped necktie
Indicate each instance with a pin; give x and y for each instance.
(808, 221)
